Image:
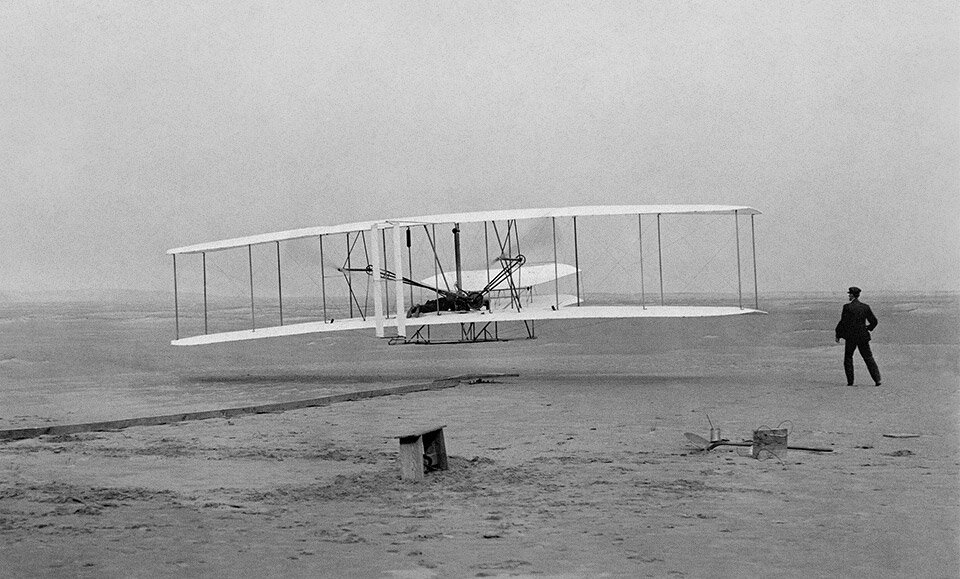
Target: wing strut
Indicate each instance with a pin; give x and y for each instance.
(377, 284)
(486, 249)
(323, 283)
(437, 269)
(398, 263)
(516, 235)
(736, 220)
(643, 302)
(556, 273)
(279, 284)
(753, 241)
(347, 277)
(456, 256)
(176, 301)
(253, 317)
(660, 258)
(409, 256)
(204, 259)
(366, 258)
(576, 257)
(386, 301)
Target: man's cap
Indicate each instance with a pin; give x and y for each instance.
(855, 291)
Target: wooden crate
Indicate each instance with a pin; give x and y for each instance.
(422, 451)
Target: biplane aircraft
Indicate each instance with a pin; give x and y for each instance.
(463, 271)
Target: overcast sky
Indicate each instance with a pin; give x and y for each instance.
(128, 128)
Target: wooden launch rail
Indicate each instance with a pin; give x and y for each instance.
(61, 429)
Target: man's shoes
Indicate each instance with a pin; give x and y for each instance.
(849, 383)
(877, 384)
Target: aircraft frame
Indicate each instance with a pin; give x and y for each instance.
(459, 297)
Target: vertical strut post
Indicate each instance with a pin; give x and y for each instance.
(643, 301)
(398, 264)
(362, 310)
(409, 260)
(486, 249)
(204, 259)
(456, 256)
(736, 219)
(436, 265)
(576, 258)
(378, 283)
(386, 287)
(516, 235)
(349, 277)
(253, 317)
(556, 273)
(753, 241)
(660, 258)
(176, 301)
(323, 283)
(279, 284)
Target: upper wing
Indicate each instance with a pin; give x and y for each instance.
(469, 217)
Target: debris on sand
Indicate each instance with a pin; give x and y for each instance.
(901, 452)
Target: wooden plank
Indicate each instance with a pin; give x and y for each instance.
(420, 431)
(411, 458)
(436, 450)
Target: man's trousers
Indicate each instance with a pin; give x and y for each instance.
(864, 347)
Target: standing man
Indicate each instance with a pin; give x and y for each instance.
(856, 323)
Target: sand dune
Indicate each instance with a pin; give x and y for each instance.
(576, 467)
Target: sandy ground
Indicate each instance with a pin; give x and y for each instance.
(577, 467)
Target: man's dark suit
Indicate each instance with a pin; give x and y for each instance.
(856, 323)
